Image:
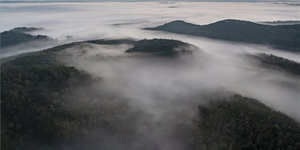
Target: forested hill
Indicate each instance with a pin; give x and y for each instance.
(18, 36)
(285, 37)
(163, 47)
(47, 105)
(276, 62)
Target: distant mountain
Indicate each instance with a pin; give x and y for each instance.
(287, 22)
(272, 61)
(17, 36)
(164, 47)
(285, 37)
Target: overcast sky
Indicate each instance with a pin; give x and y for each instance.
(159, 0)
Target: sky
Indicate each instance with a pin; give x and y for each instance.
(148, 0)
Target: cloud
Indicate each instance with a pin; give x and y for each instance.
(219, 65)
(161, 86)
(149, 1)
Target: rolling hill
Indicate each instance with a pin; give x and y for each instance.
(18, 36)
(285, 37)
(276, 62)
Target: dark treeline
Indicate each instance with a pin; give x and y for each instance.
(112, 41)
(155, 45)
(18, 36)
(285, 37)
(161, 47)
(275, 62)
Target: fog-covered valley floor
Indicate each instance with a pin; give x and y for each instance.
(158, 85)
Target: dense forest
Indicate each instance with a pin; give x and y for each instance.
(285, 37)
(18, 36)
(162, 47)
(46, 105)
(242, 123)
(276, 62)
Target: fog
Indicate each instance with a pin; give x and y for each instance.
(213, 67)
(79, 18)
(162, 85)
(85, 21)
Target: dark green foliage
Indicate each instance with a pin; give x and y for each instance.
(155, 45)
(272, 61)
(163, 47)
(30, 87)
(57, 107)
(46, 105)
(285, 37)
(243, 123)
(112, 42)
(12, 38)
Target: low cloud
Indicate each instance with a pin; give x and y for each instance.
(159, 86)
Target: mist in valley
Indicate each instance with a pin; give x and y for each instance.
(158, 86)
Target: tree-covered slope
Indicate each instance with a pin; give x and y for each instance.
(47, 105)
(276, 62)
(285, 37)
(16, 37)
(240, 123)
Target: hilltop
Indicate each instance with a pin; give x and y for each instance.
(160, 46)
(18, 36)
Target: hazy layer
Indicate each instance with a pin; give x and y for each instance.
(217, 65)
(79, 18)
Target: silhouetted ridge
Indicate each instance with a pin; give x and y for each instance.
(284, 37)
(16, 36)
(276, 62)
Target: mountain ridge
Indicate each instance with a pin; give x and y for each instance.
(284, 37)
